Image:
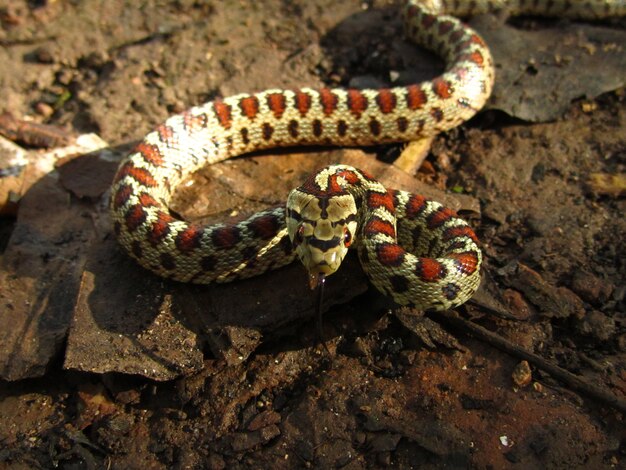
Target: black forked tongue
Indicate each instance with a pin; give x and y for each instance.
(317, 282)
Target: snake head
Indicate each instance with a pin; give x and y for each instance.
(321, 229)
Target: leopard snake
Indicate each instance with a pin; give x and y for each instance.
(412, 248)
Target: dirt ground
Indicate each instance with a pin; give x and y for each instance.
(104, 366)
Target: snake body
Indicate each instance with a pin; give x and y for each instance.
(413, 249)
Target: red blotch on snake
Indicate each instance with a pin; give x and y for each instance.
(303, 102)
(193, 122)
(189, 239)
(141, 175)
(465, 262)
(459, 231)
(442, 88)
(249, 106)
(265, 227)
(166, 134)
(135, 217)
(415, 97)
(390, 254)
(277, 104)
(223, 112)
(146, 200)
(160, 228)
(439, 217)
(122, 195)
(386, 101)
(377, 225)
(226, 237)
(375, 200)
(415, 206)
(357, 102)
(430, 270)
(150, 153)
(329, 101)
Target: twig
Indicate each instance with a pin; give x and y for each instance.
(576, 382)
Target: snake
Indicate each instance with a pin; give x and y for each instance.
(413, 249)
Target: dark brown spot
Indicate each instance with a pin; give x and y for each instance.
(226, 237)
(286, 245)
(450, 291)
(136, 249)
(375, 127)
(265, 227)
(317, 128)
(402, 123)
(445, 27)
(456, 35)
(208, 263)
(268, 131)
(292, 128)
(437, 114)
(244, 135)
(167, 261)
(428, 20)
(399, 284)
(342, 128)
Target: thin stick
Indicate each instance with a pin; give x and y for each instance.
(576, 382)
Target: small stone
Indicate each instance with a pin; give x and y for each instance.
(43, 55)
(591, 288)
(517, 304)
(597, 325)
(522, 375)
(44, 109)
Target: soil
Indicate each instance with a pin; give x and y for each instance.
(105, 366)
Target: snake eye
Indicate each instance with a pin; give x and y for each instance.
(347, 237)
(298, 237)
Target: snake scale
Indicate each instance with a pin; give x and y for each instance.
(413, 249)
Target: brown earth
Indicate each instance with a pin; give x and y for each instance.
(105, 366)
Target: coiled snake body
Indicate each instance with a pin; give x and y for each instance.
(413, 249)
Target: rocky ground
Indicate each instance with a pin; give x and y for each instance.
(103, 365)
